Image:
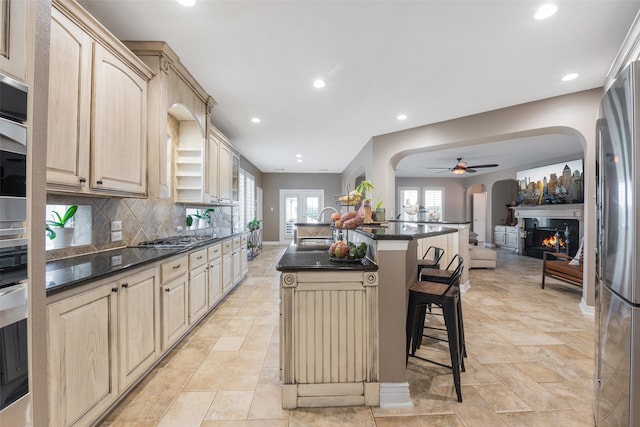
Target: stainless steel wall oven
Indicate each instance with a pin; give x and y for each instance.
(14, 245)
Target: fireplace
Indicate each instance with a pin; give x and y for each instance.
(549, 228)
(548, 234)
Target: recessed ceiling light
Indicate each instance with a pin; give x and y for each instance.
(187, 3)
(298, 155)
(402, 116)
(319, 84)
(569, 77)
(255, 120)
(299, 160)
(545, 11)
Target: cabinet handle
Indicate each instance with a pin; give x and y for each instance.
(83, 180)
(167, 289)
(175, 267)
(125, 285)
(114, 290)
(200, 257)
(99, 182)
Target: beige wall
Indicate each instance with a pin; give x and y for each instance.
(274, 182)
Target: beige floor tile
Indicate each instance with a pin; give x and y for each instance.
(230, 405)
(187, 410)
(528, 348)
(228, 344)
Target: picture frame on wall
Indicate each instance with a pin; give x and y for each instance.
(559, 183)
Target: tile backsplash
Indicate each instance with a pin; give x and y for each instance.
(142, 219)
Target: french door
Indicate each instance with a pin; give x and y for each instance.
(298, 206)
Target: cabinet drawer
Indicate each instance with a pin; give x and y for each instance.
(215, 251)
(244, 239)
(226, 246)
(236, 242)
(197, 258)
(500, 228)
(172, 269)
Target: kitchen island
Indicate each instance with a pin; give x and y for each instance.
(339, 345)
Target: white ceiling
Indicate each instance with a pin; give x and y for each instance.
(431, 60)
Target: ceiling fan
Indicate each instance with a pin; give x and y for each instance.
(462, 167)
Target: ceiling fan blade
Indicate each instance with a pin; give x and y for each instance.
(469, 170)
(437, 168)
(483, 166)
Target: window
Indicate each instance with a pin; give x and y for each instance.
(247, 197)
(433, 204)
(408, 202)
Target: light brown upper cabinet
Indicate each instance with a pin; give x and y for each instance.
(219, 167)
(97, 128)
(13, 38)
(178, 115)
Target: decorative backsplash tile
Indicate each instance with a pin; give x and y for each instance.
(142, 219)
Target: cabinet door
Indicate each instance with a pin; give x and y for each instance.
(119, 136)
(237, 265)
(82, 356)
(139, 325)
(13, 38)
(175, 314)
(197, 293)
(215, 281)
(225, 172)
(213, 168)
(511, 238)
(227, 272)
(244, 260)
(69, 105)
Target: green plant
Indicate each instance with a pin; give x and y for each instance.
(379, 204)
(364, 187)
(254, 224)
(59, 221)
(206, 215)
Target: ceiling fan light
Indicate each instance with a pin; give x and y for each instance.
(458, 170)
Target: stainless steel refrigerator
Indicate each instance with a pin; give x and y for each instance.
(617, 368)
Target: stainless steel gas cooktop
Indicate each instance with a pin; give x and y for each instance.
(174, 242)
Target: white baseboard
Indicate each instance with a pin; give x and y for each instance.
(589, 310)
(395, 395)
(464, 287)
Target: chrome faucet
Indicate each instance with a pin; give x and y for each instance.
(324, 210)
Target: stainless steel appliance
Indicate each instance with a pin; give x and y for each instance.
(14, 362)
(15, 400)
(617, 370)
(13, 159)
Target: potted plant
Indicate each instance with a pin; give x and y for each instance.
(204, 219)
(254, 224)
(64, 236)
(380, 211)
(365, 187)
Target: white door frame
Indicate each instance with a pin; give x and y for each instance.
(302, 195)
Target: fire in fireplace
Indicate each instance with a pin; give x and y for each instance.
(548, 234)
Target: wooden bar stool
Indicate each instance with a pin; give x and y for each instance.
(445, 276)
(447, 296)
(430, 261)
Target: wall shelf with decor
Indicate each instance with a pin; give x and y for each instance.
(254, 243)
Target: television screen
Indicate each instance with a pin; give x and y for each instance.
(554, 184)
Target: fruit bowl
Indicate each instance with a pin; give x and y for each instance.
(341, 251)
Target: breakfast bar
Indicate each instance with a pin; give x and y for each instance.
(339, 345)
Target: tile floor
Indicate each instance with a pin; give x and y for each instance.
(530, 362)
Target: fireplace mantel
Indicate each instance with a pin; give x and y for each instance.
(571, 211)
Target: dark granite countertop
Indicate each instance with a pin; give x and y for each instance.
(64, 274)
(444, 221)
(404, 230)
(298, 258)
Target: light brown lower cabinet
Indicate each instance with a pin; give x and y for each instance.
(103, 340)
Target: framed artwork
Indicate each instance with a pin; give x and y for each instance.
(559, 183)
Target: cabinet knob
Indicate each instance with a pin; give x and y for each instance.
(83, 180)
(114, 290)
(125, 285)
(99, 182)
(167, 289)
